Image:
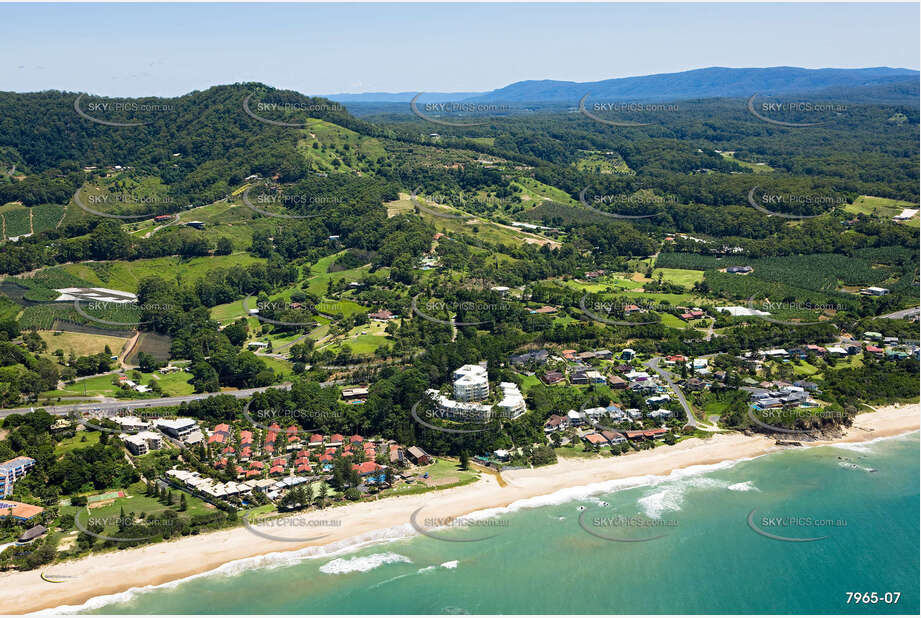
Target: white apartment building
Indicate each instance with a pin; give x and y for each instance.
(512, 404)
(471, 383)
(143, 442)
(179, 428)
(459, 410)
(131, 424)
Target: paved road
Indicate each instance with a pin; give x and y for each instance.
(903, 314)
(135, 404)
(653, 364)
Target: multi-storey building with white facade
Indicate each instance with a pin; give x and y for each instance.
(471, 383)
(512, 404)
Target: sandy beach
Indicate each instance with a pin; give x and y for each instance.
(157, 564)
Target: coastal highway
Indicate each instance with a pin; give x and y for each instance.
(135, 404)
(904, 314)
(653, 364)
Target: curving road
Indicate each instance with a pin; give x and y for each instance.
(653, 364)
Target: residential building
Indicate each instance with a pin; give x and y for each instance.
(459, 410)
(537, 356)
(209, 487)
(11, 471)
(617, 383)
(645, 434)
(367, 468)
(556, 423)
(639, 376)
(31, 534)
(512, 404)
(594, 377)
(19, 511)
(357, 392)
(471, 383)
(418, 456)
(613, 437)
(594, 413)
(143, 442)
(131, 424)
(596, 439)
(179, 428)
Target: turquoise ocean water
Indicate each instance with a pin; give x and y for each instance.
(548, 557)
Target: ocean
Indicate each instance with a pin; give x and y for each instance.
(790, 532)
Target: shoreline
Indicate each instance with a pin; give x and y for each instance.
(376, 521)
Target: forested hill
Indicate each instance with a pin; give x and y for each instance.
(702, 83)
(201, 143)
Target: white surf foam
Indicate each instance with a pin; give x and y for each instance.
(272, 560)
(361, 564)
(744, 486)
(280, 559)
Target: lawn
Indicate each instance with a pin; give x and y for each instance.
(679, 276)
(324, 143)
(537, 191)
(135, 502)
(603, 163)
(529, 382)
(672, 321)
(605, 285)
(82, 439)
(578, 452)
(229, 312)
(363, 344)
(81, 344)
(125, 275)
(443, 473)
(176, 383)
(881, 207)
(15, 220)
(319, 279)
(96, 385)
(471, 226)
(802, 368)
(758, 168)
(277, 365)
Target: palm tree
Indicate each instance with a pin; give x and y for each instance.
(388, 476)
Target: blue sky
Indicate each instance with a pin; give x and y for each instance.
(171, 49)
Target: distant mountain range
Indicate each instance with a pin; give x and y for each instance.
(713, 82)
